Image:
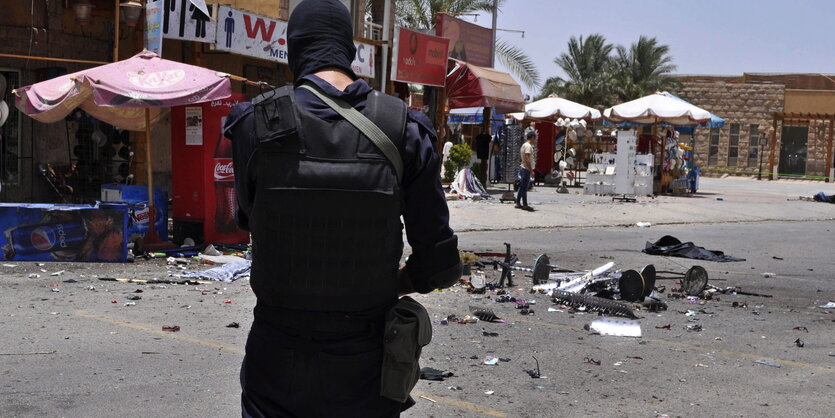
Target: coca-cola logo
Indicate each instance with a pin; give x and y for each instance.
(224, 170)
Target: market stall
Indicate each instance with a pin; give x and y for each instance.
(657, 109)
(470, 86)
(131, 94)
(568, 127)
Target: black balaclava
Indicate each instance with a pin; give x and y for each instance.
(319, 35)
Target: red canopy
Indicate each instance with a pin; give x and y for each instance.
(471, 86)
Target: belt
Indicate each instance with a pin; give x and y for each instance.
(307, 322)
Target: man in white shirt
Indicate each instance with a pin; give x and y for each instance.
(445, 154)
(525, 170)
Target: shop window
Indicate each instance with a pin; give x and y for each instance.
(733, 145)
(713, 149)
(753, 145)
(10, 133)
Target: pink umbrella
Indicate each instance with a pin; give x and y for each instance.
(129, 94)
(117, 93)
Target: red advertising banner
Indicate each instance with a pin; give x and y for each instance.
(468, 42)
(419, 58)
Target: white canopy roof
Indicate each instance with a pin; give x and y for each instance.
(557, 107)
(657, 108)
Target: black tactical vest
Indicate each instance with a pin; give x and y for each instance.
(326, 218)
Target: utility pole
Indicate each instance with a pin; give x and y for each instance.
(495, 16)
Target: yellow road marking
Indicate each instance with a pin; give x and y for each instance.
(180, 337)
(173, 335)
(700, 348)
(462, 404)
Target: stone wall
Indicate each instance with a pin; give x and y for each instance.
(745, 104)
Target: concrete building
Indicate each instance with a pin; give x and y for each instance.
(799, 109)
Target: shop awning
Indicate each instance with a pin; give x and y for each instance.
(469, 85)
(472, 116)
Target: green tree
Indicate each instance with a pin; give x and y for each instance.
(553, 85)
(643, 69)
(420, 15)
(588, 65)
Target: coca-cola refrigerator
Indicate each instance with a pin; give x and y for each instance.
(203, 178)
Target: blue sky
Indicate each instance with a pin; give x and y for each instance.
(705, 36)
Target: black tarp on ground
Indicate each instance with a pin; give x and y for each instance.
(672, 247)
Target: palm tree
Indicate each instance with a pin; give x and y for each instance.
(420, 15)
(589, 68)
(643, 69)
(552, 85)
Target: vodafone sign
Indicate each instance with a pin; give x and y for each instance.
(419, 58)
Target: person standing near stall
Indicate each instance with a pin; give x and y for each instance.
(525, 170)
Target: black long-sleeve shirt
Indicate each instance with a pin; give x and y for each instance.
(434, 262)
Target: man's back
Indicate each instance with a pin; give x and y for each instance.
(324, 208)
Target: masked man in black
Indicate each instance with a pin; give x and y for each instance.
(323, 202)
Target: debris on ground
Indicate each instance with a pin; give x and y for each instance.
(820, 197)
(428, 373)
(535, 374)
(616, 327)
(768, 363)
(226, 273)
(485, 314)
(672, 247)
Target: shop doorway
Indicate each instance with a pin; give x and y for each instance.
(793, 150)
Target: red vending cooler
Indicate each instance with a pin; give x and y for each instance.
(203, 179)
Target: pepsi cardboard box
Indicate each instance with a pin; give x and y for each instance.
(136, 197)
(47, 232)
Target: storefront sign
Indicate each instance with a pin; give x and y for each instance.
(363, 64)
(419, 58)
(245, 33)
(468, 42)
(184, 21)
(153, 26)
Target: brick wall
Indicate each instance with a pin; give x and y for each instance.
(51, 32)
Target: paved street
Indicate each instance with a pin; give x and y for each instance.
(81, 352)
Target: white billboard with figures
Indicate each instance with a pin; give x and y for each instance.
(183, 20)
(246, 33)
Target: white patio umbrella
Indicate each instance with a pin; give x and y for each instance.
(556, 107)
(656, 108)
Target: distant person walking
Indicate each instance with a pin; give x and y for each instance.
(525, 170)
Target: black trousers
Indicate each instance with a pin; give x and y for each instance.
(314, 366)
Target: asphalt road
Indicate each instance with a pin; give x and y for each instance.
(75, 353)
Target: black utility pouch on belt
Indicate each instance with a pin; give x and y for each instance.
(408, 329)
